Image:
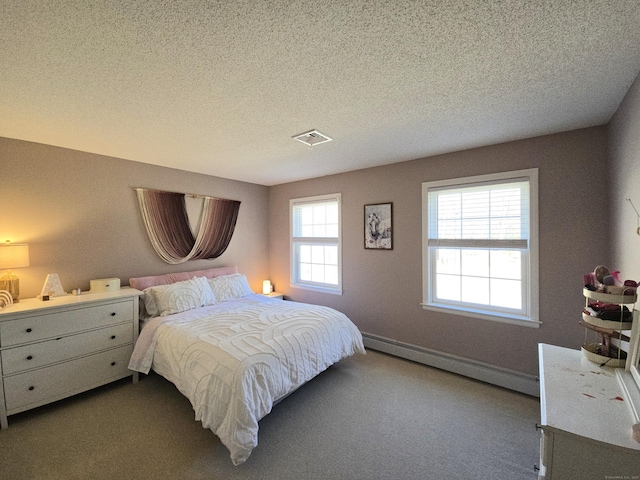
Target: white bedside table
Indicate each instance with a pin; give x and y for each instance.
(276, 295)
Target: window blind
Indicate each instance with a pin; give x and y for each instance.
(492, 214)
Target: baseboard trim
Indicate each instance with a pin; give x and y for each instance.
(502, 377)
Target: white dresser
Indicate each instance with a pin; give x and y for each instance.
(587, 414)
(54, 349)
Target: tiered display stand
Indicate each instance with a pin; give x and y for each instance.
(611, 349)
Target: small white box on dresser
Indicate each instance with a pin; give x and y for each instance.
(104, 285)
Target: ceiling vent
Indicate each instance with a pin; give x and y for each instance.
(314, 137)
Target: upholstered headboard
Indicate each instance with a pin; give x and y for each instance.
(145, 282)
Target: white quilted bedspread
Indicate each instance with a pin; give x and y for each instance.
(233, 360)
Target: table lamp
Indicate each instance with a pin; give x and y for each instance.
(12, 255)
(266, 287)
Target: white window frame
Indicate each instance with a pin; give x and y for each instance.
(530, 312)
(296, 282)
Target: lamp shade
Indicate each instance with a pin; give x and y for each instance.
(14, 255)
(266, 287)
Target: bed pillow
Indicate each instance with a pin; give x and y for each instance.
(149, 299)
(228, 287)
(180, 296)
(151, 293)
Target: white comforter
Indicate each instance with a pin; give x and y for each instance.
(233, 360)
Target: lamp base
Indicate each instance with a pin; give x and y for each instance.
(11, 284)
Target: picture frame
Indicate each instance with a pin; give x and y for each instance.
(378, 226)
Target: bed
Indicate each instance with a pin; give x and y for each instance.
(231, 352)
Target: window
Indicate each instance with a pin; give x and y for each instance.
(480, 251)
(316, 262)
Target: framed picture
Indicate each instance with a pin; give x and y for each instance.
(378, 226)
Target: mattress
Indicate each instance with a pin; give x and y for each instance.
(235, 359)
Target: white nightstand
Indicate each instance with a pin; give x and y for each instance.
(276, 295)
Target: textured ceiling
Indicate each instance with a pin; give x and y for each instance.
(220, 87)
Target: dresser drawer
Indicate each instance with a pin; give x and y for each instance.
(51, 325)
(36, 355)
(64, 379)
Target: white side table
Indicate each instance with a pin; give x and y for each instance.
(276, 295)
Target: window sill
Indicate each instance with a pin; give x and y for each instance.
(332, 291)
(510, 319)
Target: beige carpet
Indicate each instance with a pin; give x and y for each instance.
(369, 417)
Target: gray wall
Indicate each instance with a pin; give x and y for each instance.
(383, 289)
(624, 137)
(78, 212)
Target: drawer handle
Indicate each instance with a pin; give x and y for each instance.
(29, 330)
(113, 314)
(113, 363)
(31, 388)
(113, 337)
(30, 357)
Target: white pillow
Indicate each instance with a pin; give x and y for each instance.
(182, 296)
(228, 287)
(150, 301)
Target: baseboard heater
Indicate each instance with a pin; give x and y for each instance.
(502, 377)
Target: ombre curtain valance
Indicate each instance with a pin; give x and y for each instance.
(167, 224)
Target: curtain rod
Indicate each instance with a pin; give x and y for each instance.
(191, 195)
